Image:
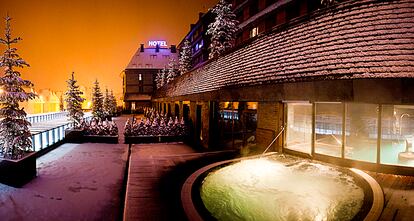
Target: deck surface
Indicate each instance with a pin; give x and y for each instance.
(152, 191)
(398, 196)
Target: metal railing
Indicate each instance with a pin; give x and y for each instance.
(49, 137)
(46, 138)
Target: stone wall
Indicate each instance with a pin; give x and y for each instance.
(269, 120)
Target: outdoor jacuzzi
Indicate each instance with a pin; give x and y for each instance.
(280, 187)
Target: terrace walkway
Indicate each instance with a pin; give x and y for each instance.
(156, 172)
(398, 196)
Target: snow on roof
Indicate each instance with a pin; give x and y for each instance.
(150, 59)
(360, 39)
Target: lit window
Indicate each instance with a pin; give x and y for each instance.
(254, 32)
(153, 56)
(140, 77)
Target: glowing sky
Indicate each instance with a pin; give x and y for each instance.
(94, 38)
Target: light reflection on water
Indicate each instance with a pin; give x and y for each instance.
(279, 188)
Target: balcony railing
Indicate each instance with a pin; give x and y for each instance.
(34, 118)
(43, 138)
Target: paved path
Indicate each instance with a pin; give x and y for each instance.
(154, 182)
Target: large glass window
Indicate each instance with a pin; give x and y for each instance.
(328, 128)
(361, 132)
(299, 127)
(237, 123)
(397, 127)
(227, 116)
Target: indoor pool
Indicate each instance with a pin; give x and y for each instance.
(280, 187)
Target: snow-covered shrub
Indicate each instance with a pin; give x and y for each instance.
(155, 127)
(99, 127)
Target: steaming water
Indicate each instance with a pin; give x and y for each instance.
(281, 188)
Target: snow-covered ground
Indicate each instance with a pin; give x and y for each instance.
(75, 182)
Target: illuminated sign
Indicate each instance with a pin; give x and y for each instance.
(159, 43)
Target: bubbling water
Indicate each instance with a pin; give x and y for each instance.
(279, 188)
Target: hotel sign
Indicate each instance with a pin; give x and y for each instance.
(159, 43)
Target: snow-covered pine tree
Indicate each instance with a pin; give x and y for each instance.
(107, 104)
(14, 127)
(113, 104)
(185, 57)
(223, 29)
(97, 101)
(158, 79)
(74, 99)
(163, 76)
(327, 2)
(171, 71)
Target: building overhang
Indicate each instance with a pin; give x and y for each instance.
(137, 97)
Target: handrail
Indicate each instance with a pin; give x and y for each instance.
(282, 128)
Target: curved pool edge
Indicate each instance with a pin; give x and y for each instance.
(377, 196)
(193, 214)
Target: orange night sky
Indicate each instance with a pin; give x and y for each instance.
(96, 39)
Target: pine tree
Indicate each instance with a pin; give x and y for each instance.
(327, 2)
(185, 57)
(163, 76)
(171, 73)
(97, 102)
(74, 101)
(113, 103)
(107, 104)
(158, 80)
(61, 105)
(223, 29)
(14, 127)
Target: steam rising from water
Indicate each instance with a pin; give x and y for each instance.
(278, 188)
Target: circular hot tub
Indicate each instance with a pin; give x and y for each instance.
(280, 187)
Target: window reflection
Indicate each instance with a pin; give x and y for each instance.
(397, 128)
(328, 129)
(299, 127)
(361, 132)
(237, 123)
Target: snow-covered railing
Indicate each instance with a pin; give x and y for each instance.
(46, 138)
(49, 137)
(34, 118)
